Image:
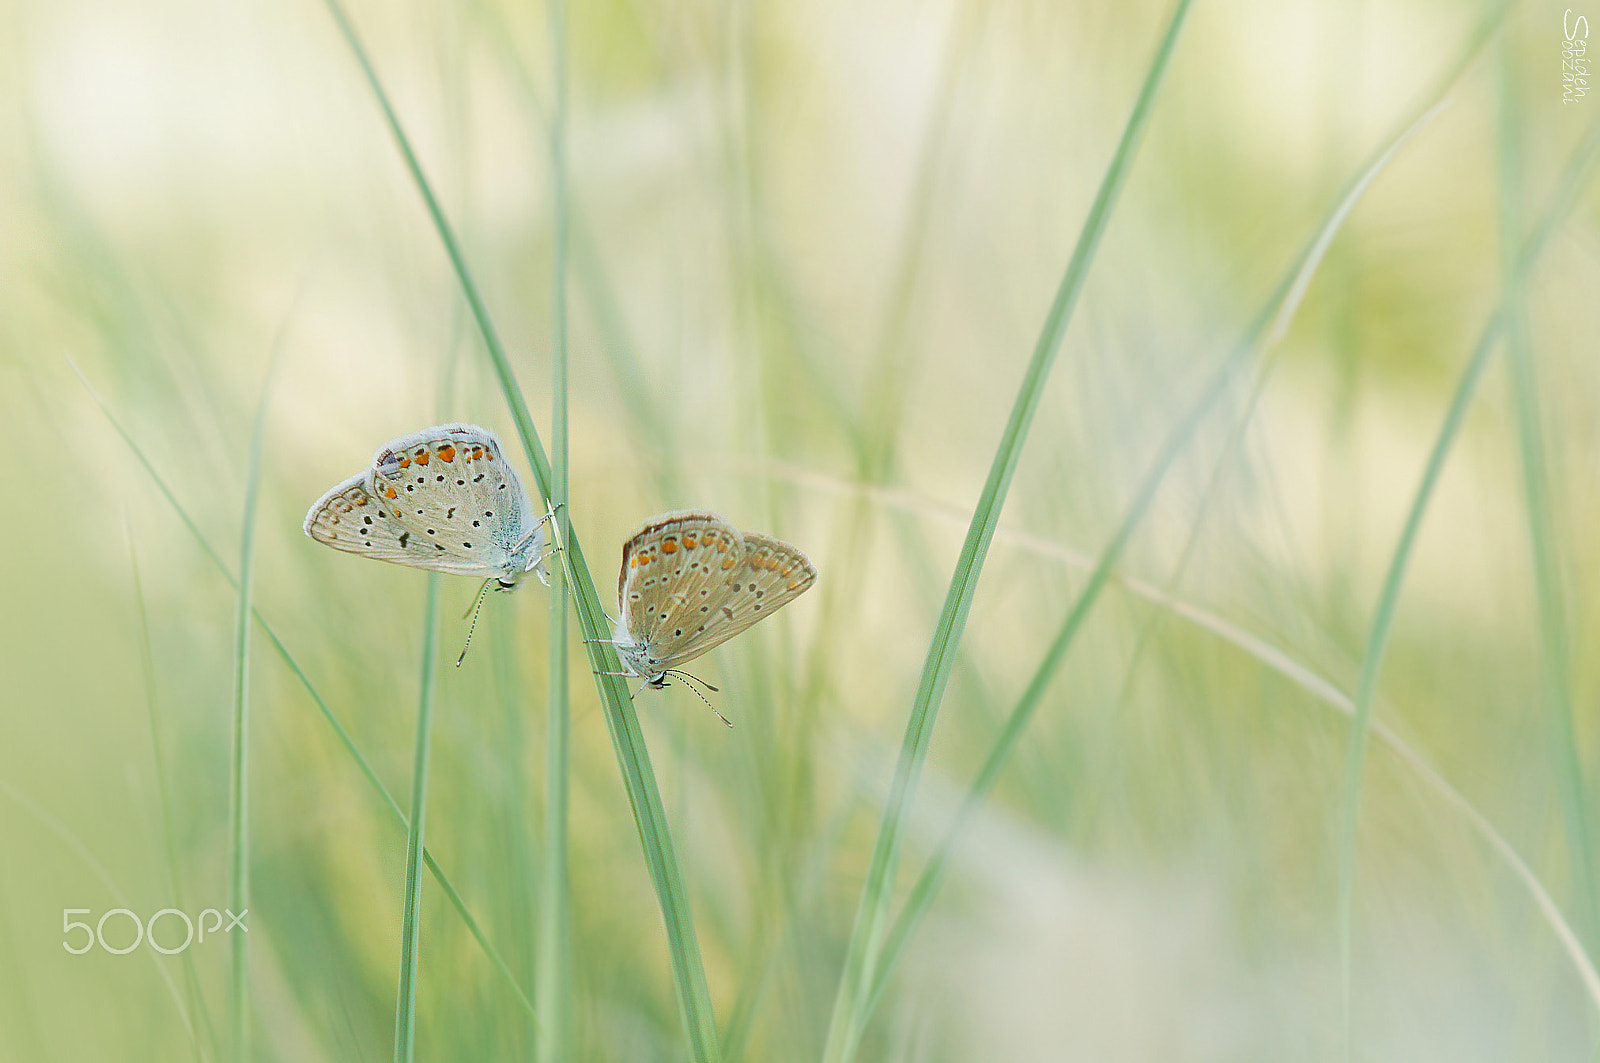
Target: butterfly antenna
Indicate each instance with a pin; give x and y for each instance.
(692, 680)
(476, 605)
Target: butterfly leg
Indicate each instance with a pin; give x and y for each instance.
(549, 515)
(627, 675)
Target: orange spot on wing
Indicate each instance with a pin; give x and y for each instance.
(404, 462)
(447, 452)
(422, 457)
(388, 492)
(669, 546)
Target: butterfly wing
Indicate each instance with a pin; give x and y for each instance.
(671, 567)
(771, 574)
(449, 502)
(690, 581)
(349, 518)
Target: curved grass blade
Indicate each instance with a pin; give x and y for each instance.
(694, 999)
(1278, 309)
(866, 939)
(405, 1011)
(1554, 638)
(1388, 602)
(1264, 653)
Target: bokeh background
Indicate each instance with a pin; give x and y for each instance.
(812, 248)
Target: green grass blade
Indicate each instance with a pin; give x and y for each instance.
(866, 938)
(1377, 642)
(553, 977)
(1273, 658)
(343, 735)
(239, 769)
(1279, 309)
(641, 416)
(694, 999)
(921, 896)
(1277, 661)
(1388, 602)
(405, 1012)
(1547, 563)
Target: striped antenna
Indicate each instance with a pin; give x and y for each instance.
(476, 605)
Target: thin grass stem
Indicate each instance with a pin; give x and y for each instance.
(1550, 607)
(1388, 602)
(405, 1012)
(553, 978)
(239, 766)
(866, 939)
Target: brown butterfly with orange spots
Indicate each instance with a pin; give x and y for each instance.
(690, 581)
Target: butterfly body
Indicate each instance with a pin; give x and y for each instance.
(443, 499)
(690, 581)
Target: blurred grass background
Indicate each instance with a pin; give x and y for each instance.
(812, 246)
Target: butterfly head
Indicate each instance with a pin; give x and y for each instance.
(527, 554)
(636, 659)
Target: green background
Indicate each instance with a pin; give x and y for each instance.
(811, 249)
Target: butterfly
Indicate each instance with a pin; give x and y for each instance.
(691, 581)
(443, 499)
